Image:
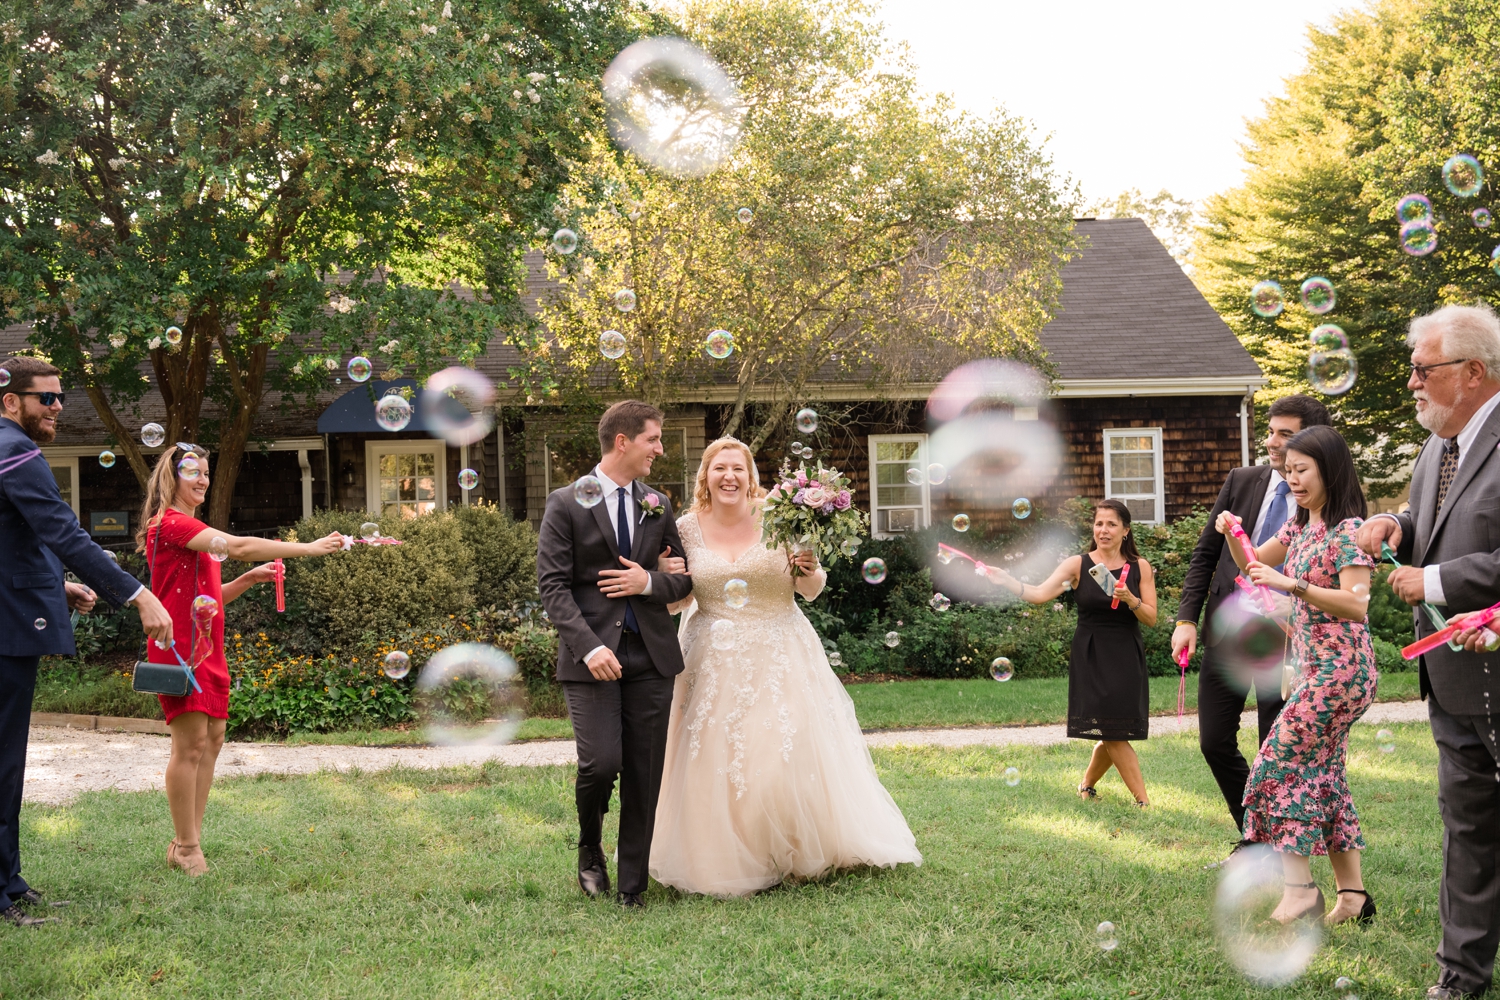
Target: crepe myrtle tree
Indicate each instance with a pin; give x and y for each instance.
(286, 181)
(880, 230)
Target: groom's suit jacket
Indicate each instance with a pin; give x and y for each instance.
(576, 544)
(1465, 538)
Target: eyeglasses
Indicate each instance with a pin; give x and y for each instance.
(1424, 372)
(47, 398)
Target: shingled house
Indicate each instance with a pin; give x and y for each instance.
(1151, 398)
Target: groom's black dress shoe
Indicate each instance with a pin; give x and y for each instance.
(633, 900)
(593, 877)
(1448, 993)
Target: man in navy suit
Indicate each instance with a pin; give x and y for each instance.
(39, 536)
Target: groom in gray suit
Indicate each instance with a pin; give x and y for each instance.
(1449, 537)
(617, 651)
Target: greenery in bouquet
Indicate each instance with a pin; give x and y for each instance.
(813, 509)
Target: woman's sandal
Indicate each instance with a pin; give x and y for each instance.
(1087, 792)
(1366, 913)
(193, 869)
(1314, 909)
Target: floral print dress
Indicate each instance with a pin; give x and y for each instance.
(1297, 799)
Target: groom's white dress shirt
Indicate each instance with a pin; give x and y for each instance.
(612, 504)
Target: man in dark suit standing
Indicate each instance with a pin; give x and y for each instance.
(617, 650)
(1259, 496)
(39, 536)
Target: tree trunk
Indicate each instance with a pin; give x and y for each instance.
(247, 383)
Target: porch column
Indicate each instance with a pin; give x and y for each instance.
(307, 482)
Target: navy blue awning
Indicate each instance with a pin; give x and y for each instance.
(354, 411)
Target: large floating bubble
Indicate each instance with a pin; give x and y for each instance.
(218, 548)
(174, 335)
(1386, 741)
(360, 368)
(1105, 936)
(455, 405)
(625, 300)
(468, 479)
(940, 603)
(960, 523)
(807, 420)
(914, 476)
(873, 570)
(1418, 238)
(1266, 952)
(1495, 260)
(736, 593)
(107, 459)
(936, 473)
(1012, 776)
(892, 640)
(1329, 337)
(392, 412)
(588, 491)
(719, 344)
(835, 658)
(188, 469)
(612, 344)
(671, 105)
(39, 624)
(1317, 296)
(721, 634)
(565, 241)
(1249, 647)
(1332, 373)
(744, 215)
(1001, 669)
(849, 547)
(396, 664)
(369, 531)
(1483, 218)
(1266, 299)
(4, 377)
(470, 695)
(1463, 175)
(1413, 208)
(1020, 508)
(152, 435)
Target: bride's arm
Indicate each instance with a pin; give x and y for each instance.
(810, 584)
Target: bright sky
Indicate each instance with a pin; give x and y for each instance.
(1149, 94)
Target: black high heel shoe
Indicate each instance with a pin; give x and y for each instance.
(1366, 913)
(1087, 791)
(1314, 909)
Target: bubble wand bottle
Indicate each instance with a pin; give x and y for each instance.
(279, 568)
(1478, 619)
(1256, 592)
(1182, 665)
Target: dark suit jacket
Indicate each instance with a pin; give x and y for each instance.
(574, 546)
(1211, 573)
(1465, 537)
(38, 537)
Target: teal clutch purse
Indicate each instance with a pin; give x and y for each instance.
(164, 678)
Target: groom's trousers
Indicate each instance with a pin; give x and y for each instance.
(621, 730)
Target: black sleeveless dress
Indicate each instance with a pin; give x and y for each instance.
(1107, 696)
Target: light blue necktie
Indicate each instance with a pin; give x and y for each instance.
(1275, 515)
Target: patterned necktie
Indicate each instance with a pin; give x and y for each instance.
(622, 538)
(1275, 514)
(1447, 470)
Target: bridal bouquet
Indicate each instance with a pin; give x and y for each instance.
(813, 509)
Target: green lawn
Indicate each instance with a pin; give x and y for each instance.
(459, 884)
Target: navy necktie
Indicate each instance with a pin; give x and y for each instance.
(622, 538)
(1275, 515)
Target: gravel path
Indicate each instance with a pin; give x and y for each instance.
(61, 763)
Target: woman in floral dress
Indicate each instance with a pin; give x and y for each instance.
(1297, 799)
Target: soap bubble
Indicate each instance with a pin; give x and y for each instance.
(204, 608)
(396, 665)
(1329, 337)
(369, 531)
(721, 634)
(1266, 299)
(468, 479)
(1463, 175)
(107, 459)
(835, 658)
(152, 435)
(393, 412)
(1386, 741)
(1343, 983)
(744, 215)
(39, 624)
(892, 640)
(218, 548)
(625, 300)
(849, 547)
(671, 105)
(470, 695)
(565, 241)
(1267, 952)
(1495, 260)
(1001, 669)
(1012, 776)
(719, 344)
(588, 491)
(360, 368)
(189, 469)
(736, 593)
(940, 603)
(946, 556)
(612, 344)
(914, 476)
(1021, 508)
(1332, 373)
(874, 570)
(807, 420)
(4, 377)
(936, 473)
(1247, 645)
(1104, 936)
(1483, 218)
(1317, 296)
(960, 523)
(1418, 238)
(174, 335)
(1413, 208)
(455, 405)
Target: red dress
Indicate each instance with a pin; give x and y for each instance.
(178, 574)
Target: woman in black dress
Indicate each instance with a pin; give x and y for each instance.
(1107, 695)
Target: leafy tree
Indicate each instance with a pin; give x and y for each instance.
(287, 181)
(1387, 96)
(882, 230)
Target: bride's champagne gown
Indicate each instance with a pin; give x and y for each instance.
(767, 775)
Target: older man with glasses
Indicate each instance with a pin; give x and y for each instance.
(1449, 541)
(39, 536)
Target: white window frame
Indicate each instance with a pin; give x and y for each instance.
(1160, 496)
(67, 462)
(373, 451)
(921, 461)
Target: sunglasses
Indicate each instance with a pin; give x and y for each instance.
(47, 398)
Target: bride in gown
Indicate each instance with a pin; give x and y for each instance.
(767, 775)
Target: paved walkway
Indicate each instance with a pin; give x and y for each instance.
(61, 763)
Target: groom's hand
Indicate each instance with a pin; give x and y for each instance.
(604, 666)
(624, 582)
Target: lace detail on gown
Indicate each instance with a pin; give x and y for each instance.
(767, 774)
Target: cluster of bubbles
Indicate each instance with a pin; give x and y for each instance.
(468, 479)
(396, 664)
(1331, 366)
(360, 368)
(873, 570)
(152, 435)
(588, 492)
(736, 593)
(612, 344)
(933, 476)
(807, 420)
(719, 344)
(392, 412)
(470, 695)
(721, 634)
(671, 105)
(1267, 952)
(107, 459)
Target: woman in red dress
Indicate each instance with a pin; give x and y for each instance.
(183, 555)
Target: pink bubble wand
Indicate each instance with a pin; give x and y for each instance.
(1182, 665)
(1255, 591)
(1478, 619)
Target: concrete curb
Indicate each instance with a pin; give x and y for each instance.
(97, 723)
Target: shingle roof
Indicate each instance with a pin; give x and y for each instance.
(1129, 311)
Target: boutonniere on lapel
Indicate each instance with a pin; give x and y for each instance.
(651, 506)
